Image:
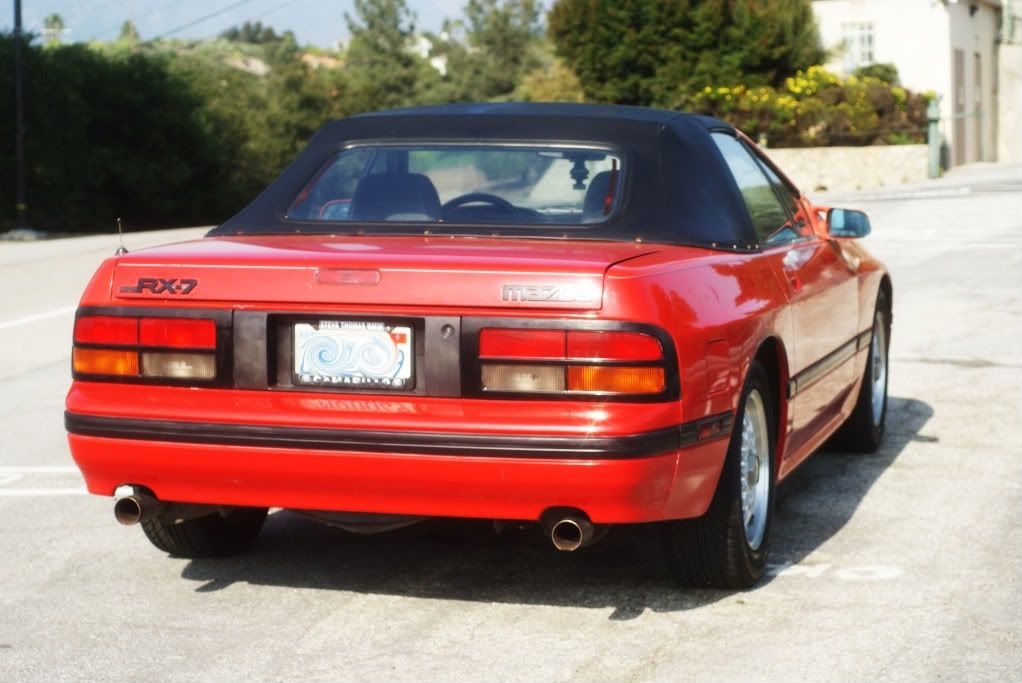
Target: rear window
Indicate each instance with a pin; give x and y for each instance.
(463, 184)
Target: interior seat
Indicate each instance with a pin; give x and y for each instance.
(395, 196)
(596, 195)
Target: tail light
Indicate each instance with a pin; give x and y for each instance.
(572, 362)
(105, 362)
(145, 348)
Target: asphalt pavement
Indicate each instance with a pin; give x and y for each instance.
(901, 565)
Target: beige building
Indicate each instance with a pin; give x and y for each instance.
(969, 52)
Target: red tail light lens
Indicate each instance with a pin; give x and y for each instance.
(612, 345)
(530, 344)
(137, 343)
(178, 333)
(572, 362)
(106, 329)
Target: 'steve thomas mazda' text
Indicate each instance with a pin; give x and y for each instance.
(576, 315)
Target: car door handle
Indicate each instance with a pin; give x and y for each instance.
(795, 281)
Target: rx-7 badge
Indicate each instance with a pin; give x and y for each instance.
(159, 285)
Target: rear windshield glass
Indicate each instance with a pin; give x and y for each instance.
(463, 184)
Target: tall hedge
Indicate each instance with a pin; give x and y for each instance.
(108, 137)
(651, 53)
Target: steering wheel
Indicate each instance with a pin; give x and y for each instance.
(474, 197)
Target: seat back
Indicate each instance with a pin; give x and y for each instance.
(395, 196)
(596, 195)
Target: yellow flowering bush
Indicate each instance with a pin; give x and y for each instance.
(815, 107)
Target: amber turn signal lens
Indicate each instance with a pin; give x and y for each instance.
(105, 362)
(616, 379)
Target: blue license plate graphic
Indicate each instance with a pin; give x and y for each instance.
(352, 353)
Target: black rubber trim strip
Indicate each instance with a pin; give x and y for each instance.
(831, 361)
(499, 445)
(863, 339)
(706, 429)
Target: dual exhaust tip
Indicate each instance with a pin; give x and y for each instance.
(569, 530)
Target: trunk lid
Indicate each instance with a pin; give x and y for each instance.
(427, 271)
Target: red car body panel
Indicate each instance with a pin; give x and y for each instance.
(807, 306)
(715, 344)
(610, 491)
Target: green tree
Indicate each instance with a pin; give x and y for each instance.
(300, 101)
(553, 82)
(646, 52)
(53, 29)
(249, 32)
(490, 50)
(550, 81)
(129, 31)
(502, 35)
(283, 50)
(381, 68)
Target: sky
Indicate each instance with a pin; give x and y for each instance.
(315, 22)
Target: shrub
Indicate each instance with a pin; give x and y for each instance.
(817, 108)
(888, 73)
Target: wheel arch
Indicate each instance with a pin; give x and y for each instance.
(772, 356)
(887, 289)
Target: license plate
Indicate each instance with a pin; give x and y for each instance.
(356, 354)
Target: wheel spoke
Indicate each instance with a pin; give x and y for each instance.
(755, 469)
(878, 376)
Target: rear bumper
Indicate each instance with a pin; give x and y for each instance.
(660, 474)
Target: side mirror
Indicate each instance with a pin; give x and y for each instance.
(847, 223)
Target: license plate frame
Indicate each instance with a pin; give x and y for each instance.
(355, 354)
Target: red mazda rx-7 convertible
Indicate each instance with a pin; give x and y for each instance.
(574, 315)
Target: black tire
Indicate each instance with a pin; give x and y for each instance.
(862, 432)
(215, 535)
(713, 551)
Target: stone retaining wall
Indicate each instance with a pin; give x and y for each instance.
(818, 169)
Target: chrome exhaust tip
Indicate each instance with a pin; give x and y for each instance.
(571, 533)
(570, 529)
(128, 510)
(137, 508)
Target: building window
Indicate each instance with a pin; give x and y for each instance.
(859, 41)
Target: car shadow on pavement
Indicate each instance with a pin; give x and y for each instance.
(469, 560)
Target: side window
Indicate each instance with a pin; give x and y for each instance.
(328, 195)
(800, 226)
(769, 216)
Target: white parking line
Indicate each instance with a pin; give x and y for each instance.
(17, 322)
(16, 493)
(40, 469)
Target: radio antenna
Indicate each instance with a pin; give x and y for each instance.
(120, 235)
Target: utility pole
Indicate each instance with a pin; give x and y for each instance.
(20, 205)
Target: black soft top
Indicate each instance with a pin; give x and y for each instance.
(676, 186)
